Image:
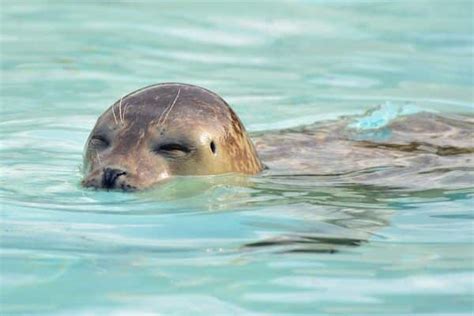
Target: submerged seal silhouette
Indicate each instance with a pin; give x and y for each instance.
(164, 130)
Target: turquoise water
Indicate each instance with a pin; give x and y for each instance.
(197, 245)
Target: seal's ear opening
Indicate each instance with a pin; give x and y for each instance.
(213, 147)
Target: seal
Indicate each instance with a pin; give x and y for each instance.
(177, 129)
(164, 130)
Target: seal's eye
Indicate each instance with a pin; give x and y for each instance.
(173, 149)
(99, 141)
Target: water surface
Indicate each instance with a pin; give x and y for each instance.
(273, 244)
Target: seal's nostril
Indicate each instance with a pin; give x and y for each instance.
(110, 176)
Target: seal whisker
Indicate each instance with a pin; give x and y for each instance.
(120, 110)
(98, 157)
(113, 112)
(124, 111)
(170, 108)
(159, 121)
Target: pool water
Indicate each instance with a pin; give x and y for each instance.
(214, 245)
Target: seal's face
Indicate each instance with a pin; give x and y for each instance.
(165, 130)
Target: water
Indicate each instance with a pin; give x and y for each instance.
(229, 245)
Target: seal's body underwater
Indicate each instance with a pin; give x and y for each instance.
(163, 130)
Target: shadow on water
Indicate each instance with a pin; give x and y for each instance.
(307, 244)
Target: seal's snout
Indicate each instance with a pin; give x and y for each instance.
(110, 176)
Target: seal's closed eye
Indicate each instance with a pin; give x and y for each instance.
(99, 141)
(173, 149)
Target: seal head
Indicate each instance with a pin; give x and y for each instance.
(164, 130)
